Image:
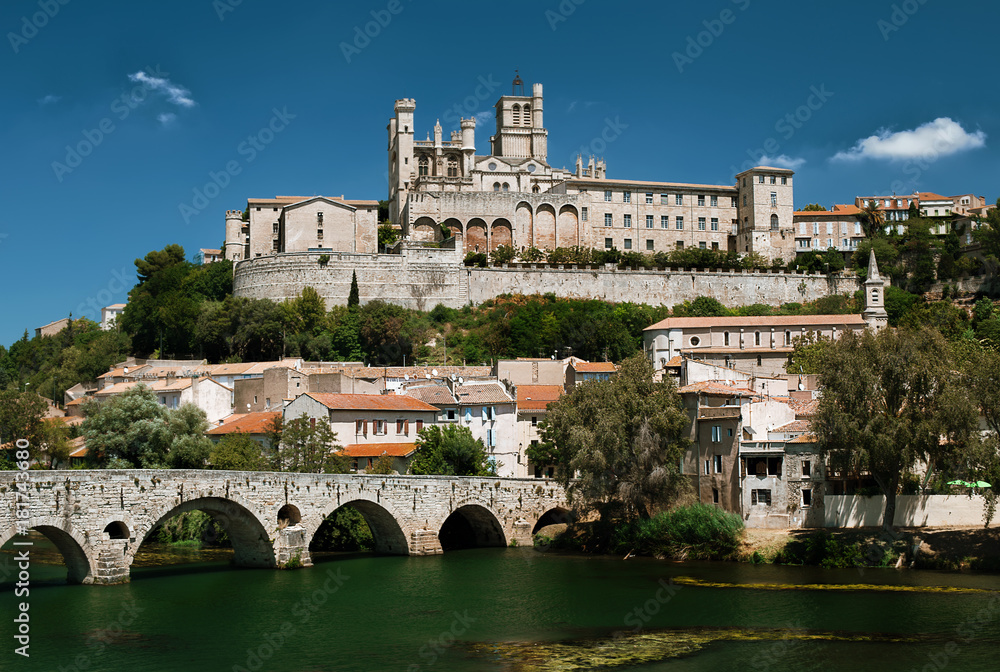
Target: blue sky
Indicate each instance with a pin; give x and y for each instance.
(883, 96)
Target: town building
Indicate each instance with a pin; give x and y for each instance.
(257, 426)
(532, 405)
(821, 230)
(110, 315)
(215, 399)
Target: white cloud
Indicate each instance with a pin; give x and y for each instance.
(485, 116)
(166, 118)
(782, 161)
(49, 100)
(929, 141)
(175, 93)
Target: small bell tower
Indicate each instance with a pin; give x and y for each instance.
(875, 314)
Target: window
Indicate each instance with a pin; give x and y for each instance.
(679, 245)
(744, 200)
(664, 222)
(608, 243)
(774, 199)
(489, 413)
(759, 361)
(717, 464)
(506, 187)
(584, 214)
(496, 186)
(379, 427)
(784, 180)
(452, 166)
(807, 497)
(649, 199)
(788, 338)
(734, 202)
(708, 467)
(759, 496)
(679, 224)
(701, 223)
(534, 421)
(607, 196)
(703, 245)
(319, 234)
(420, 424)
(829, 228)
(774, 222)
(760, 179)
(715, 223)
(451, 413)
(274, 228)
(701, 201)
(527, 115)
(716, 433)
(725, 339)
(806, 468)
(649, 221)
(774, 179)
(608, 219)
(627, 223)
(756, 338)
(829, 243)
(715, 495)
(361, 427)
(815, 228)
(715, 246)
(400, 426)
(679, 199)
(274, 245)
(730, 430)
(857, 228)
(423, 167)
(628, 244)
(626, 197)
(664, 199)
(650, 246)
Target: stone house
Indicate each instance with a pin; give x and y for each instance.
(213, 398)
(578, 373)
(363, 419)
(490, 413)
(532, 405)
(255, 425)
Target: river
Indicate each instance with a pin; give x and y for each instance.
(513, 609)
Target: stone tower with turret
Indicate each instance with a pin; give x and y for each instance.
(235, 247)
(875, 314)
(521, 130)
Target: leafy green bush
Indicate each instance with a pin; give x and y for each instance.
(698, 531)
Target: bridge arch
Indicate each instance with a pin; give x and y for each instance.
(554, 516)
(387, 533)
(74, 547)
(251, 544)
(471, 525)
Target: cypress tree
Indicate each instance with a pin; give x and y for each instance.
(354, 298)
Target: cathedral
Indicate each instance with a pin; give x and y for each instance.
(441, 189)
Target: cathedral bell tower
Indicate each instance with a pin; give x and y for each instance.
(521, 130)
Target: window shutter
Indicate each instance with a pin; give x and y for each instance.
(493, 412)
(406, 427)
(364, 427)
(468, 414)
(420, 425)
(485, 412)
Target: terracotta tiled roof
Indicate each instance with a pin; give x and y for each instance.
(594, 367)
(119, 306)
(482, 393)
(804, 409)
(69, 420)
(437, 395)
(931, 196)
(378, 449)
(77, 402)
(245, 423)
(370, 402)
(761, 321)
(846, 209)
(794, 426)
(227, 369)
(805, 438)
(77, 447)
(537, 397)
(715, 387)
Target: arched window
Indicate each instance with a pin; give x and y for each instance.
(535, 189)
(496, 186)
(424, 166)
(452, 166)
(874, 295)
(726, 337)
(527, 115)
(774, 222)
(506, 187)
(756, 338)
(517, 115)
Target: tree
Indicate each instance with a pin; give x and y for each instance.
(624, 438)
(888, 401)
(308, 445)
(808, 353)
(21, 416)
(833, 260)
(129, 431)
(382, 465)
(988, 234)
(451, 451)
(981, 373)
(238, 452)
(872, 218)
(814, 207)
(55, 442)
(189, 447)
(503, 254)
(354, 298)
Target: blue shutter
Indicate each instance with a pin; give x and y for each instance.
(468, 414)
(485, 413)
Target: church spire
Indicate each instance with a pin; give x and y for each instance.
(873, 267)
(875, 314)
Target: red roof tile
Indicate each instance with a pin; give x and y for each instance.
(537, 397)
(370, 402)
(245, 423)
(379, 449)
(594, 367)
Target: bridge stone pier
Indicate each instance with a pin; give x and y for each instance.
(99, 519)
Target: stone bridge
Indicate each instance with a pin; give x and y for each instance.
(99, 519)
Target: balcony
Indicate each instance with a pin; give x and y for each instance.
(762, 447)
(719, 412)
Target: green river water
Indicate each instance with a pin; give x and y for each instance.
(513, 609)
